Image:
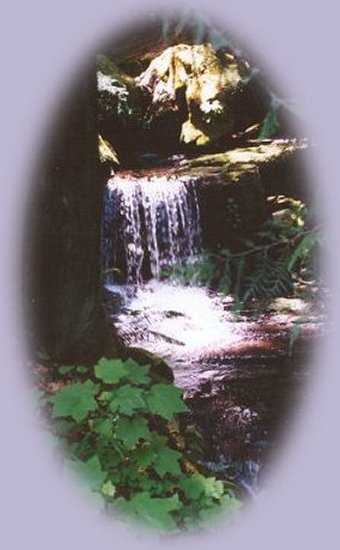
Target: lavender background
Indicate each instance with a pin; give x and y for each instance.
(43, 45)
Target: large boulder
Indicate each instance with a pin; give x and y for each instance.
(233, 187)
(199, 95)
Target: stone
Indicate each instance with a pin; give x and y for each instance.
(107, 154)
(198, 89)
(233, 187)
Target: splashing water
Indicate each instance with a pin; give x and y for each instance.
(178, 323)
(150, 224)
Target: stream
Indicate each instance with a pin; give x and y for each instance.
(241, 372)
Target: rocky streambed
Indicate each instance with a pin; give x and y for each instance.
(240, 372)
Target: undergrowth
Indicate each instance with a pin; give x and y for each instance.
(279, 255)
(120, 431)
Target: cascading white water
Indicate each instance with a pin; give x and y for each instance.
(150, 225)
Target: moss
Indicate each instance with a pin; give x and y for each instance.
(109, 68)
(200, 85)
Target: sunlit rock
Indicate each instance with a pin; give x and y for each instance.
(200, 88)
(107, 155)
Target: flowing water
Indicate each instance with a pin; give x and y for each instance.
(238, 372)
(150, 224)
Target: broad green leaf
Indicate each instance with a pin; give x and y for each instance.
(75, 400)
(91, 471)
(197, 485)
(110, 371)
(137, 374)
(108, 489)
(104, 428)
(167, 462)
(130, 430)
(193, 486)
(213, 487)
(166, 400)
(154, 511)
(145, 456)
(127, 400)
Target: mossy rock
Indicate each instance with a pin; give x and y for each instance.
(107, 67)
(202, 89)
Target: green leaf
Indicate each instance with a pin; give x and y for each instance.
(197, 485)
(75, 400)
(131, 430)
(154, 511)
(137, 374)
(167, 461)
(193, 486)
(104, 428)
(127, 400)
(91, 471)
(110, 371)
(108, 489)
(145, 456)
(213, 487)
(166, 400)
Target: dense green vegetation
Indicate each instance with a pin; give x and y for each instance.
(121, 432)
(279, 256)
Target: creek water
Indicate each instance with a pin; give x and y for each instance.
(240, 373)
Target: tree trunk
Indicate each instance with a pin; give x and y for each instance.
(68, 320)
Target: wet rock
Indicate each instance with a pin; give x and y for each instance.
(198, 94)
(233, 186)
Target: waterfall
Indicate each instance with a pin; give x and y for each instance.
(150, 224)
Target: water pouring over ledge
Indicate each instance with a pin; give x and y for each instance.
(150, 225)
(237, 374)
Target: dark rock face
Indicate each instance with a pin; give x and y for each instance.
(120, 118)
(233, 187)
(230, 210)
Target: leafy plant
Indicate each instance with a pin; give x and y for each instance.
(119, 431)
(279, 255)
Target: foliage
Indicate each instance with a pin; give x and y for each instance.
(270, 125)
(279, 254)
(119, 429)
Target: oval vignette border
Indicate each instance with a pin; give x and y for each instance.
(296, 46)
